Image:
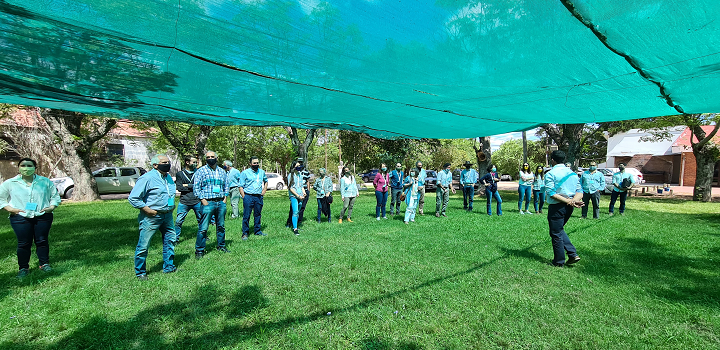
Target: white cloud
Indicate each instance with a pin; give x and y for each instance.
(497, 140)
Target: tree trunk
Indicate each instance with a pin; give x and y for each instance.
(187, 144)
(524, 140)
(301, 148)
(76, 145)
(705, 167)
(483, 156)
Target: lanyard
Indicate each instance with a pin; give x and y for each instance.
(167, 188)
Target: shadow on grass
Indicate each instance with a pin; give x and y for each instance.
(658, 270)
(375, 343)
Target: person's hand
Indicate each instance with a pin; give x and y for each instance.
(261, 193)
(14, 211)
(224, 200)
(49, 209)
(204, 201)
(149, 212)
(453, 189)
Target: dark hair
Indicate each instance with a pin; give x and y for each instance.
(28, 160)
(558, 156)
(188, 159)
(622, 164)
(539, 172)
(489, 168)
(253, 157)
(522, 166)
(446, 165)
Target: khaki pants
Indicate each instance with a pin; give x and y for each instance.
(421, 199)
(234, 199)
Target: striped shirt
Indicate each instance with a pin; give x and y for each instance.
(209, 183)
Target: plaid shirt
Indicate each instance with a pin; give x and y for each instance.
(206, 180)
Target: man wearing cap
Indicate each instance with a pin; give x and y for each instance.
(210, 185)
(233, 178)
(468, 179)
(154, 195)
(252, 185)
(396, 188)
(305, 175)
(444, 185)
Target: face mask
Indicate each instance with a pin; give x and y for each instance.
(27, 171)
(298, 168)
(593, 168)
(494, 169)
(211, 161)
(192, 168)
(621, 168)
(384, 169)
(164, 167)
(322, 173)
(255, 167)
(467, 167)
(412, 174)
(419, 166)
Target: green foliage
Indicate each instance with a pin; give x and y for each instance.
(464, 282)
(509, 157)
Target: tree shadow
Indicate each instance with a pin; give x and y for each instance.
(375, 343)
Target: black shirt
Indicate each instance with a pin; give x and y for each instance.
(187, 196)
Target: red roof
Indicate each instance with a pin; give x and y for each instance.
(30, 118)
(684, 139)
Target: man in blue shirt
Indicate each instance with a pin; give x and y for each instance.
(564, 193)
(252, 185)
(233, 179)
(468, 179)
(444, 185)
(210, 185)
(396, 188)
(592, 182)
(619, 189)
(154, 195)
(422, 175)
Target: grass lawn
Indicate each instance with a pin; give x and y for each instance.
(649, 279)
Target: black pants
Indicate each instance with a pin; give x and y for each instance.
(29, 230)
(301, 210)
(595, 199)
(558, 216)
(614, 196)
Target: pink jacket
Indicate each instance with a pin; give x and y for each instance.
(382, 182)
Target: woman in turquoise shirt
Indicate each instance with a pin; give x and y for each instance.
(539, 190)
(348, 193)
(297, 194)
(525, 187)
(30, 199)
(412, 195)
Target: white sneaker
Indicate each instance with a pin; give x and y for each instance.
(522, 212)
(377, 218)
(528, 212)
(384, 217)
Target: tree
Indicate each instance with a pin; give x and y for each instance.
(483, 154)
(186, 138)
(60, 61)
(509, 157)
(301, 147)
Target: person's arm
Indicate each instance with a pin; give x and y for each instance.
(5, 199)
(265, 184)
(137, 197)
(632, 181)
(376, 181)
(226, 187)
(54, 198)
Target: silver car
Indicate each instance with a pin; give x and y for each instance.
(109, 180)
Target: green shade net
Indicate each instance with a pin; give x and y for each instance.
(439, 69)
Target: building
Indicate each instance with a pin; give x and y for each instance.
(669, 160)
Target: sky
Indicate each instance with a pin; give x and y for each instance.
(497, 140)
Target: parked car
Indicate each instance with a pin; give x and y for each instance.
(607, 173)
(430, 180)
(368, 176)
(456, 179)
(109, 180)
(275, 181)
(505, 177)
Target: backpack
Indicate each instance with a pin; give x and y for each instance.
(626, 182)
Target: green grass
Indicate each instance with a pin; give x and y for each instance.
(650, 279)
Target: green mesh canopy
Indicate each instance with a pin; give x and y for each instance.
(389, 68)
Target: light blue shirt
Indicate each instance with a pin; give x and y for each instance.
(154, 191)
(348, 187)
(468, 177)
(618, 179)
(561, 180)
(526, 179)
(298, 185)
(539, 184)
(252, 182)
(322, 186)
(18, 194)
(233, 178)
(209, 183)
(592, 182)
(444, 178)
(422, 175)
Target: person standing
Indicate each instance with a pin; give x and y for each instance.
(491, 190)
(300, 162)
(422, 176)
(539, 190)
(296, 192)
(468, 179)
(412, 192)
(210, 185)
(348, 193)
(525, 187)
(564, 194)
(323, 190)
(154, 195)
(233, 180)
(592, 183)
(381, 183)
(622, 181)
(252, 185)
(444, 185)
(396, 188)
(30, 199)
(184, 184)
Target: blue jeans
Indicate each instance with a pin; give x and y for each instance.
(252, 203)
(218, 210)
(468, 197)
(321, 202)
(148, 226)
(489, 195)
(381, 198)
(524, 191)
(613, 198)
(539, 195)
(182, 211)
(294, 207)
